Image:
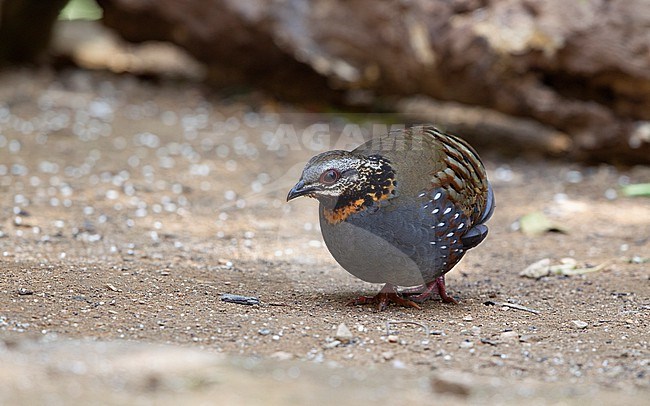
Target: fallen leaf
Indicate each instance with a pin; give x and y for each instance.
(637, 189)
(581, 271)
(536, 223)
(566, 267)
(538, 269)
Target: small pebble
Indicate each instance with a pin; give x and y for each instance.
(451, 385)
(25, 292)
(282, 355)
(238, 299)
(264, 331)
(468, 318)
(392, 338)
(343, 333)
(579, 324)
(225, 262)
(487, 341)
(399, 364)
(611, 194)
(509, 336)
(528, 338)
(466, 344)
(332, 344)
(388, 355)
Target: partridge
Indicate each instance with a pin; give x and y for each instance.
(401, 209)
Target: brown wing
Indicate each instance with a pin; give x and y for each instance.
(430, 159)
(462, 175)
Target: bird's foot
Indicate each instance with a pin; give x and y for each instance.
(421, 293)
(386, 295)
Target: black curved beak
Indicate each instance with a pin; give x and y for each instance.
(299, 190)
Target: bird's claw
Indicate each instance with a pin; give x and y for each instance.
(422, 293)
(387, 295)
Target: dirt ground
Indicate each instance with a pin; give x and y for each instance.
(127, 208)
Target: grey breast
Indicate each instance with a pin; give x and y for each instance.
(407, 246)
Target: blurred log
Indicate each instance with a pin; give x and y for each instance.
(25, 28)
(238, 49)
(579, 68)
(90, 45)
(486, 128)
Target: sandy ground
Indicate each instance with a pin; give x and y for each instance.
(128, 208)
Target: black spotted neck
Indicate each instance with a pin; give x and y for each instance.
(376, 182)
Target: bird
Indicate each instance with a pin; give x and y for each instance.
(401, 209)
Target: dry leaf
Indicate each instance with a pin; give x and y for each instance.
(566, 267)
(536, 223)
(638, 189)
(537, 269)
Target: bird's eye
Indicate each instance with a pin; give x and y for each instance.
(329, 177)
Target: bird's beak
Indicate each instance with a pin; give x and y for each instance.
(299, 190)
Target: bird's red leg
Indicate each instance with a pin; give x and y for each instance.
(386, 295)
(437, 286)
(416, 290)
(442, 290)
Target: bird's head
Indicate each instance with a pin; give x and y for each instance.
(345, 182)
